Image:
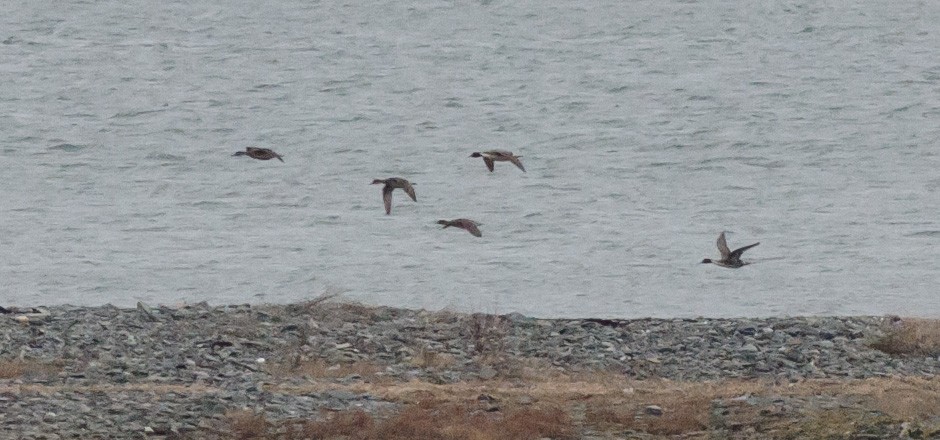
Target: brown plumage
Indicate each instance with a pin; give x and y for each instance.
(493, 156)
(259, 153)
(463, 223)
(390, 185)
(729, 259)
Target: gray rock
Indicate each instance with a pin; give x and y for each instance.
(487, 373)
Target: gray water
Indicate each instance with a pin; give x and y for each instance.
(646, 127)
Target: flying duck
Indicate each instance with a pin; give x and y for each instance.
(390, 184)
(729, 259)
(259, 153)
(493, 156)
(463, 223)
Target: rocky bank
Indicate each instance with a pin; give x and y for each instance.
(174, 372)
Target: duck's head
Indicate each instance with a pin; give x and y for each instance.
(707, 260)
(443, 222)
(375, 181)
(239, 153)
(476, 154)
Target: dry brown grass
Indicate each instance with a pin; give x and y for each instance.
(427, 358)
(680, 415)
(324, 297)
(343, 312)
(320, 369)
(345, 423)
(487, 334)
(900, 398)
(487, 337)
(549, 403)
(452, 421)
(330, 307)
(12, 369)
(247, 425)
(910, 336)
(28, 368)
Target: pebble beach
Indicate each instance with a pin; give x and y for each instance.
(181, 371)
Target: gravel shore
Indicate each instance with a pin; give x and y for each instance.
(179, 372)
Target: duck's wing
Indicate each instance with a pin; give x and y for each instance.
(488, 162)
(737, 252)
(410, 190)
(723, 247)
(471, 227)
(387, 198)
(515, 161)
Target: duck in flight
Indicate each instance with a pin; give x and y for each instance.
(463, 223)
(259, 153)
(493, 156)
(729, 259)
(390, 184)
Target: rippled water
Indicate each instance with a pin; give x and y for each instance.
(646, 127)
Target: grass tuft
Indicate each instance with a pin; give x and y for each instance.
(336, 425)
(910, 336)
(427, 358)
(451, 421)
(247, 425)
(320, 369)
(681, 414)
(28, 368)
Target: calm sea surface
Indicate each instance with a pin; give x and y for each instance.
(646, 127)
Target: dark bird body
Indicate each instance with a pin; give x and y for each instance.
(462, 223)
(390, 185)
(493, 156)
(729, 259)
(259, 153)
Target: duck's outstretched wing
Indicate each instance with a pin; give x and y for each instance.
(463, 223)
(515, 161)
(410, 190)
(737, 252)
(488, 162)
(471, 227)
(387, 198)
(723, 247)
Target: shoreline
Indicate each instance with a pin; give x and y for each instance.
(188, 372)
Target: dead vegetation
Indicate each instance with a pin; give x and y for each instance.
(28, 368)
(910, 336)
(321, 369)
(246, 425)
(607, 405)
(548, 404)
(328, 308)
(680, 415)
(430, 359)
(487, 334)
(455, 420)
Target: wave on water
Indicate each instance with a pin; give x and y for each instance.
(931, 234)
(68, 148)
